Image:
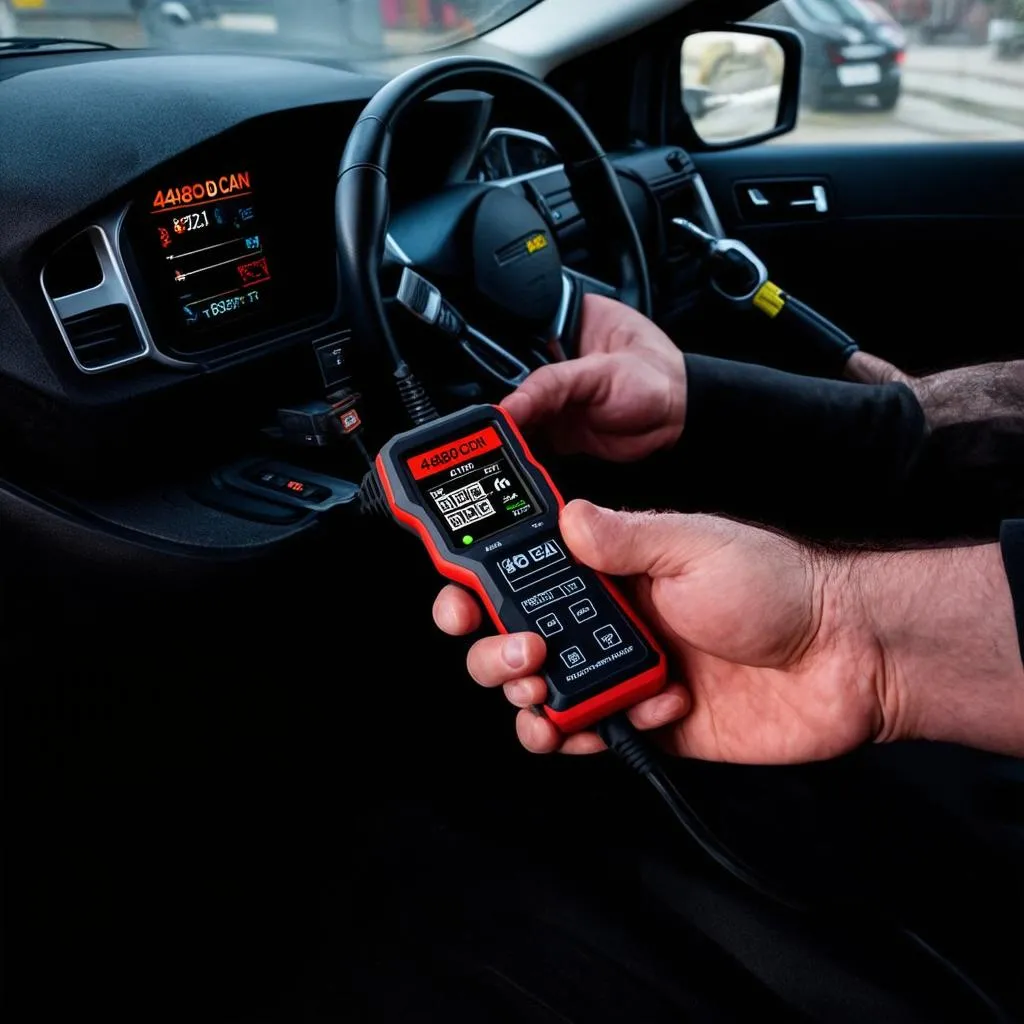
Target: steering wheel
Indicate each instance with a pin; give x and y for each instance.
(477, 261)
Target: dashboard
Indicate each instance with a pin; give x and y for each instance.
(229, 246)
(178, 244)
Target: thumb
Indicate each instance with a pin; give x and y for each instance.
(634, 543)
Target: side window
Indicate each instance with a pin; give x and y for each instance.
(907, 70)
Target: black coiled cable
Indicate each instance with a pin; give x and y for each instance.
(417, 402)
(372, 501)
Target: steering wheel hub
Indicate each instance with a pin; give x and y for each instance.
(516, 263)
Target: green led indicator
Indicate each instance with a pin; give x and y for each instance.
(467, 540)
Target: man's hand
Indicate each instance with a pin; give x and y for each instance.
(788, 656)
(969, 394)
(975, 417)
(623, 399)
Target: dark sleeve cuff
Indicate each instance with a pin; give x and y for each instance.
(756, 438)
(1011, 538)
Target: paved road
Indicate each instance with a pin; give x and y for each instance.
(917, 118)
(968, 61)
(949, 93)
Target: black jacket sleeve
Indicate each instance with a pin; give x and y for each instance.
(769, 445)
(1012, 541)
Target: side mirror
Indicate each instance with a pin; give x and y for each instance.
(740, 85)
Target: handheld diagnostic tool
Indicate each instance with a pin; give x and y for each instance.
(487, 512)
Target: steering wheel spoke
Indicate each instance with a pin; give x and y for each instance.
(591, 285)
(497, 362)
(394, 254)
(575, 286)
(424, 301)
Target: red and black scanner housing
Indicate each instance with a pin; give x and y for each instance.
(487, 512)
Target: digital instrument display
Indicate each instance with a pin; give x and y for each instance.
(214, 249)
(471, 486)
(233, 245)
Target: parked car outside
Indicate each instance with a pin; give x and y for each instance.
(852, 50)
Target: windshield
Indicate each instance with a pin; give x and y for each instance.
(345, 29)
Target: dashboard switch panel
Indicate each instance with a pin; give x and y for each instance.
(282, 483)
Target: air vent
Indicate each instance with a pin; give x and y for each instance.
(87, 289)
(74, 267)
(103, 337)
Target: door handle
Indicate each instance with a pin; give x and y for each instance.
(781, 200)
(819, 200)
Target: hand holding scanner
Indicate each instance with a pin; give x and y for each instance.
(487, 513)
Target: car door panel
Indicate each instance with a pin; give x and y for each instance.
(919, 254)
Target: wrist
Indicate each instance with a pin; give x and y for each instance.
(938, 630)
(864, 368)
(676, 373)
